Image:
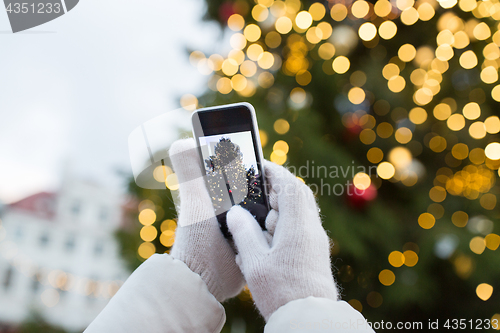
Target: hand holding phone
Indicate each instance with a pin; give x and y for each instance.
(229, 146)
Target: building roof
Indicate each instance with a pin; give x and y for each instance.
(40, 204)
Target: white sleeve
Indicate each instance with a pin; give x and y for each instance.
(162, 295)
(314, 314)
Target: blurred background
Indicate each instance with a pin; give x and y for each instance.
(390, 107)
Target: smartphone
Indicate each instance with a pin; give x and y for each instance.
(228, 142)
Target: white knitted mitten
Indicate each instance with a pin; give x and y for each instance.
(199, 243)
(297, 262)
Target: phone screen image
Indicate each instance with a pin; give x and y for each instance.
(231, 163)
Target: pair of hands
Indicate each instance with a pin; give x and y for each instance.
(289, 261)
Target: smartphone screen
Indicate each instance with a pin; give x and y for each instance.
(231, 159)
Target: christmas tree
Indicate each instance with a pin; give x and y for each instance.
(391, 108)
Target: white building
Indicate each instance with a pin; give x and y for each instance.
(59, 256)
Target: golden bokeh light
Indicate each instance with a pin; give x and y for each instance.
(146, 250)
(407, 52)
(460, 151)
(477, 245)
(385, 170)
(417, 115)
(390, 70)
(238, 82)
(367, 136)
(442, 111)
(437, 194)
(437, 144)
(375, 155)
(400, 157)
(317, 11)
(409, 16)
(236, 22)
(471, 111)
(273, 39)
(384, 130)
(360, 8)
(281, 145)
(298, 95)
(426, 220)
(172, 182)
(477, 130)
(489, 75)
(230, 67)
(444, 52)
(338, 12)
(362, 181)
(303, 20)
(283, 25)
(460, 219)
(326, 51)
(260, 13)
(167, 238)
(411, 258)
(396, 84)
(403, 135)
(492, 124)
(468, 59)
(281, 126)
(382, 8)
(252, 32)
(477, 156)
(488, 201)
(386, 277)
(482, 31)
(248, 68)
(492, 241)
(279, 157)
(396, 259)
(147, 217)
(425, 11)
(189, 103)
(492, 151)
(254, 51)
(356, 95)
(341, 64)
(461, 40)
(367, 31)
(148, 233)
(387, 29)
(168, 225)
(326, 29)
(456, 122)
(484, 291)
(266, 60)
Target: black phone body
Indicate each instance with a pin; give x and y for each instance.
(229, 146)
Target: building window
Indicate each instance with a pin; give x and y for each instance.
(44, 239)
(98, 248)
(19, 233)
(69, 245)
(35, 284)
(103, 214)
(76, 207)
(7, 281)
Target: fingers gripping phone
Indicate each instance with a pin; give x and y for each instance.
(228, 142)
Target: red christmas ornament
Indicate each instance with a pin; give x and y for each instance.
(359, 199)
(225, 11)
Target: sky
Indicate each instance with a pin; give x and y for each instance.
(73, 89)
